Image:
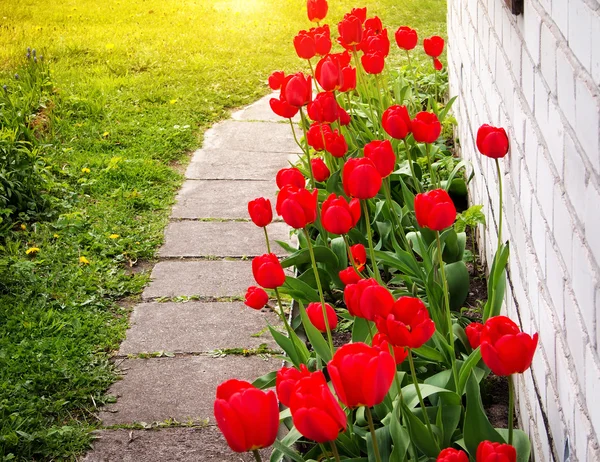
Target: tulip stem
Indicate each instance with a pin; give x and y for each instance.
(379, 97)
(350, 257)
(370, 239)
(500, 215)
(294, 133)
(359, 72)
(511, 411)
(267, 239)
(373, 436)
(307, 149)
(432, 177)
(286, 324)
(336, 454)
(421, 402)
(447, 309)
(414, 75)
(257, 455)
(412, 168)
(312, 71)
(320, 289)
(388, 197)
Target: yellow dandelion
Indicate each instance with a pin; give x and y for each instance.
(56, 236)
(114, 236)
(110, 46)
(23, 226)
(173, 101)
(84, 260)
(85, 170)
(105, 134)
(32, 250)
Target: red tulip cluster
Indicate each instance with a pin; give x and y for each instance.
(296, 91)
(316, 41)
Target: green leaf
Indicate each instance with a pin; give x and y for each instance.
(384, 443)
(400, 437)
(314, 336)
(450, 418)
(459, 282)
(496, 283)
(360, 330)
(520, 442)
(286, 344)
(429, 353)
(265, 381)
(419, 434)
(286, 246)
(286, 451)
(467, 367)
(302, 257)
(299, 290)
(411, 398)
(338, 247)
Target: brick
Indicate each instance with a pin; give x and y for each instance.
(565, 387)
(532, 25)
(592, 220)
(582, 280)
(547, 340)
(548, 57)
(560, 15)
(541, 100)
(538, 235)
(545, 186)
(527, 73)
(562, 228)
(532, 143)
(554, 135)
(580, 31)
(592, 387)
(596, 52)
(596, 340)
(575, 177)
(587, 118)
(575, 335)
(555, 280)
(581, 430)
(553, 411)
(565, 77)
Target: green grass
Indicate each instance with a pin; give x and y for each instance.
(136, 83)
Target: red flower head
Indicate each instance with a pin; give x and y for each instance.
(322, 37)
(433, 46)
(382, 155)
(380, 342)
(349, 79)
(349, 276)
(359, 255)
(316, 9)
(335, 144)
(324, 108)
(338, 216)
(305, 46)
(396, 121)
(292, 176)
(360, 13)
(452, 455)
(285, 381)
(360, 178)
(281, 108)
(373, 26)
(376, 42)
(373, 63)
(247, 417)
(329, 73)
(267, 271)
(350, 30)
(426, 127)
(492, 141)
(260, 211)
(276, 80)
(437, 64)
(408, 324)
(435, 210)
(256, 298)
(495, 452)
(344, 117)
(297, 206)
(473, 332)
(320, 170)
(297, 89)
(367, 299)
(406, 38)
(504, 348)
(316, 136)
(361, 375)
(315, 411)
(315, 314)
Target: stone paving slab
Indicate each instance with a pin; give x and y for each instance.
(166, 445)
(181, 388)
(220, 198)
(224, 239)
(251, 136)
(225, 164)
(196, 327)
(209, 278)
(261, 110)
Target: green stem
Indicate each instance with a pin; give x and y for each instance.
(373, 436)
(307, 149)
(334, 449)
(379, 97)
(500, 192)
(256, 455)
(267, 239)
(412, 168)
(511, 411)
(370, 239)
(421, 402)
(447, 309)
(320, 289)
(414, 74)
(398, 224)
(294, 133)
(285, 322)
(312, 71)
(361, 78)
(432, 177)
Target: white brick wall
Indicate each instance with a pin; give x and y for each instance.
(537, 75)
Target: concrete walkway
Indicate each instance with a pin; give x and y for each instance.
(192, 309)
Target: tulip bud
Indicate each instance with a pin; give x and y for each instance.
(320, 170)
(435, 210)
(396, 122)
(408, 324)
(260, 211)
(256, 298)
(426, 127)
(406, 38)
(315, 314)
(382, 155)
(267, 271)
(360, 178)
(492, 141)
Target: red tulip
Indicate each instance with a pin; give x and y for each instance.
(315, 136)
(426, 127)
(473, 332)
(349, 79)
(276, 80)
(504, 348)
(373, 25)
(433, 46)
(360, 178)
(315, 411)
(380, 342)
(361, 375)
(297, 89)
(320, 170)
(452, 455)
(292, 176)
(344, 117)
(316, 9)
(247, 417)
(260, 211)
(437, 64)
(335, 144)
(492, 141)
(338, 216)
(297, 206)
(495, 452)
(360, 13)
(285, 381)
(315, 314)
(267, 271)
(282, 108)
(406, 38)
(382, 155)
(304, 43)
(408, 324)
(359, 255)
(396, 121)
(350, 30)
(322, 37)
(324, 108)
(435, 210)
(373, 63)
(376, 43)
(328, 73)
(367, 299)
(256, 297)
(349, 276)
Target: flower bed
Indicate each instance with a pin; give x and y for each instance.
(373, 201)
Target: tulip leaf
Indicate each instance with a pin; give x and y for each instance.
(314, 336)
(384, 443)
(477, 427)
(357, 236)
(459, 282)
(467, 367)
(520, 442)
(429, 353)
(411, 400)
(400, 437)
(338, 247)
(287, 246)
(496, 283)
(419, 434)
(285, 451)
(302, 257)
(403, 261)
(299, 290)
(449, 419)
(265, 381)
(360, 330)
(299, 354)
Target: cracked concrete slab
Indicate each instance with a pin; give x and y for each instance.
(261, 111)
(251, 136)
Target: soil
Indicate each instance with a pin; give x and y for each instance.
(340, 338)
(494, 394)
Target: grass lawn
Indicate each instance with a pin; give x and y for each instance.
(136, 83)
